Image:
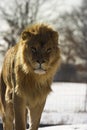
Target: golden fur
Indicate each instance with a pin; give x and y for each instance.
(26, 76)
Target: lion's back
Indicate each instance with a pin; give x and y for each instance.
(8, 63)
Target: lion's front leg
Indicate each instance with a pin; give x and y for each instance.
(35, 115)
(19, 112)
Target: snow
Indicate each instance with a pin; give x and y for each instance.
(73, 127)
(63, 118)
(66, 97)
(65, 105)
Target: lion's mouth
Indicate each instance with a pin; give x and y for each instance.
(39, 71)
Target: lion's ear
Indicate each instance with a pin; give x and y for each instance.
(54, 35)
(26, 35)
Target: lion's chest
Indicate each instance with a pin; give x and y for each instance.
(33, 90)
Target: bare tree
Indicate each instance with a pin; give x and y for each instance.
(17, 16)
(73, 30)
(72, 27)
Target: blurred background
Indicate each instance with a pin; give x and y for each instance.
(69, 18)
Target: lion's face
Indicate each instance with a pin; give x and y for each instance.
(41, 51)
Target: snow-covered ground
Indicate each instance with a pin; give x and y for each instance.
(66, 97)
(66, 104)
(69, 127)
(65, 107)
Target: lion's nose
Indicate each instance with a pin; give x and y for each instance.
(40, 61)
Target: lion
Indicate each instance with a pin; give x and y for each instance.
(26, 76)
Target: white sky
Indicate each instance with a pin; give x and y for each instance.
(48, 10)
(73, 2)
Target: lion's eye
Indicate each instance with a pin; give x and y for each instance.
(49, 50)
(33, 49)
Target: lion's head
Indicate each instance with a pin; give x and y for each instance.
(40, 48)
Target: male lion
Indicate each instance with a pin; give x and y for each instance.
(26, 76)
